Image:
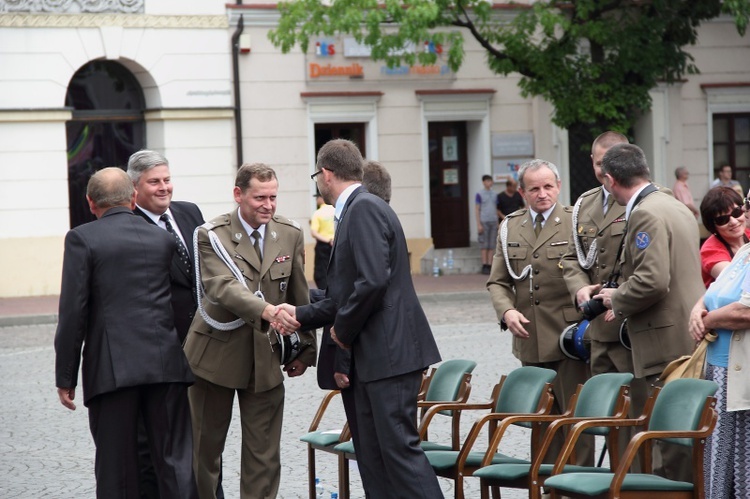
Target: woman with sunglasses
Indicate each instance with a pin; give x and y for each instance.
(723, 216)
(725, 308)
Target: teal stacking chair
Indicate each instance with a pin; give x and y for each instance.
(449, 382)
(683, 413)
(525, 391)
(604, 396)
(317, 439)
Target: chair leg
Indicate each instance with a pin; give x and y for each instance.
(495, 492)
(311, 471)
(343, 477)
(485, 489)
(458, 486)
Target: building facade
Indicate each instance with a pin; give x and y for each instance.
(86, 83)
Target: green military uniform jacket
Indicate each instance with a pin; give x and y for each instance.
(233, 358)
(547, 304)
(593, 225)
(661, 281)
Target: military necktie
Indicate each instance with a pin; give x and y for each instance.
(256, 244)
(605, 201)
(181, 249)
(538, 221)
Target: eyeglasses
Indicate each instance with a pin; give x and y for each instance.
(312, 177)
(724, 219)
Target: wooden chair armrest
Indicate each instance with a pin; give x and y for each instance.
(454, 406)
(322, 409)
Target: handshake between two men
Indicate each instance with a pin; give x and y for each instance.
(284, 321)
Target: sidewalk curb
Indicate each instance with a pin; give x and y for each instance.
(28, 320)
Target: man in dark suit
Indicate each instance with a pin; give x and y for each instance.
(149, 171)
(115, 298)
(372, 304)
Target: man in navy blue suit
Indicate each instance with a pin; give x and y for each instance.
(374, 309)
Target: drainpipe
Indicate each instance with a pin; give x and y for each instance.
(236, 73)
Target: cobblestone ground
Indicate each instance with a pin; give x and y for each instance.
(46, 451)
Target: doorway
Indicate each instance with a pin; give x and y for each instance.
(106, 128)
(349, 131)
(449, 202)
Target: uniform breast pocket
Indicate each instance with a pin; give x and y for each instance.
(281, 270)
(617, 229)
(517, 258)
(554, 254)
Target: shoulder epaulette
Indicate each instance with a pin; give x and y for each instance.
(517, 213)
(287, 221)
(591, 192)
(567, 209)
(217, 222)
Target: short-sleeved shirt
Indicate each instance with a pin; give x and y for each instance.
(487, 201)
(713, 251)
(508, 204)
(322, 221)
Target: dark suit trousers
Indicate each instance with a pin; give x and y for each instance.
(390, 459)
(113, 419)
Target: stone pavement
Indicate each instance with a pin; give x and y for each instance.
(46, 451)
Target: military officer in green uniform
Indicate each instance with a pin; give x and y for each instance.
(527, 287)
(661, 278)
(250, 260)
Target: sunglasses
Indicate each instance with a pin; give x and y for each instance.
(724, 219)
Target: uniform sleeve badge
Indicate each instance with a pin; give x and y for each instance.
(642, 240)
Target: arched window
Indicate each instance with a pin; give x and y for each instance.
(107, 127)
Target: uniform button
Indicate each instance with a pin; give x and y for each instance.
(536, 302)
(601, 250)
(619, 313)
(536, 286)
(604, 265)
(536, 255)
(536, 271)
(737, 367)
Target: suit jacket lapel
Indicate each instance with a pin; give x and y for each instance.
(185, 229)
(271, 248)
(342, 218)
(527, 229)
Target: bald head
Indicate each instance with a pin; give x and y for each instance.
(108, 188)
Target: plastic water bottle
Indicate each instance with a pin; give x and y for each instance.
(320, 491)
(445, 263)
(435, 268)
(450, 259)
(334, 495)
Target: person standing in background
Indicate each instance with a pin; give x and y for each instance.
(509, 200)
(681, 190)
(322, 230)
(485, 209)
(725, 180)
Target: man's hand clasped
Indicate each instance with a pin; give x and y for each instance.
(284, 319)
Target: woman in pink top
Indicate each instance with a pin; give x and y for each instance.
(724, 217)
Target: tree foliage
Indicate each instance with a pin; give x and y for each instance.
(594, 60)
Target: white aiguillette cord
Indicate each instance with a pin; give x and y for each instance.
(588, 261)
(221, 252)
(526, 272)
